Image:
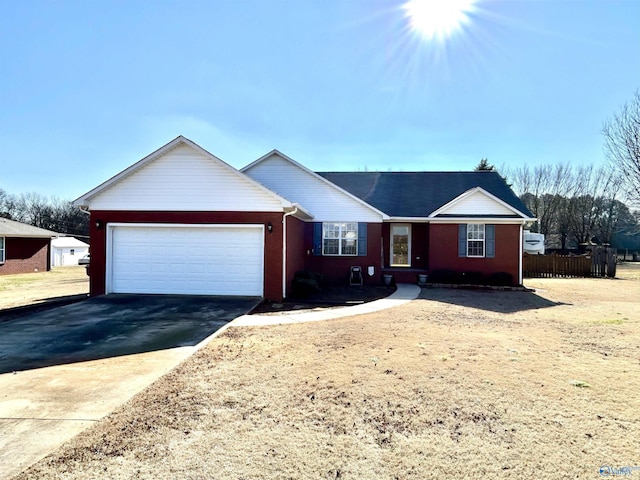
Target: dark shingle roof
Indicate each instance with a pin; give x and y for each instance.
(418, 194)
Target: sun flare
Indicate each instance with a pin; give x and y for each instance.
(438, 19)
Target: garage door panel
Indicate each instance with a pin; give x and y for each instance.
(211, 260)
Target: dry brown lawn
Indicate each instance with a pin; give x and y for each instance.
(41, 287)
(457, 384)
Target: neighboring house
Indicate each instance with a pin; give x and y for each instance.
(24, 248)
(183, 221)
(65, 251)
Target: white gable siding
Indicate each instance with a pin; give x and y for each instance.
(323, 201)
(477, 204)
(184, 179)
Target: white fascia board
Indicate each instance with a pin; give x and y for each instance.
(451, 220)
(489, 220)
(445, 220)
(83, 200)
(407, 220)
(180, 140)
(264, 157)
(470, 192)
(316, 176)
(299, 212)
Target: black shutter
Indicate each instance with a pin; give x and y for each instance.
(490, 240)
(462, 240)
(362, 239)
(317, 239)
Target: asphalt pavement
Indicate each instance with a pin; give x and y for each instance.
(113, 325)
(65, 368)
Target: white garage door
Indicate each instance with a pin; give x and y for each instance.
(186, 259)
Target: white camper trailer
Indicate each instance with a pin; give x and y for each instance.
(533, 243)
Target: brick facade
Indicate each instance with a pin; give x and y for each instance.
(272, 243)
(26, 255)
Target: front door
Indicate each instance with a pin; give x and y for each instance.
(400, 245)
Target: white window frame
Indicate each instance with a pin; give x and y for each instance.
(391, 235)
(476, 236)
(344, 229)
(3, 246)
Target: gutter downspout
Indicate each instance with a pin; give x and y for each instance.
(521, 258)
(284, 249)
(85, 209)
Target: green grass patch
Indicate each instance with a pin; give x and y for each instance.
(13, 281)
(610, 321)
(580, 384)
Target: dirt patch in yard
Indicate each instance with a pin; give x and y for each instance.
(456, 384)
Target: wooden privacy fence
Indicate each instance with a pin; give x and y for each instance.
(536, 266)
(600, 262)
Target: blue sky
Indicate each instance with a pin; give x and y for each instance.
(87, 88)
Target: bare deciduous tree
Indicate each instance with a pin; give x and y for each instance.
(37, 210)
(593, 191)
(542, 189)
(622, 145)
(576, 204)
(4, 211)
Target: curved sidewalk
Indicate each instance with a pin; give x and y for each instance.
(404, 293)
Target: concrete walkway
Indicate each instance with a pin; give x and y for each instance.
(403, 294)
(42, 408)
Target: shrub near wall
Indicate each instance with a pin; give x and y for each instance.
(451, 277)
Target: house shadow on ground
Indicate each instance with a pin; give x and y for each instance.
(327, 297)
(498, 301)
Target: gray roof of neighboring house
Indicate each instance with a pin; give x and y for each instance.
(11, 228)
(418, 194)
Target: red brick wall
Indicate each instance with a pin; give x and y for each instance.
(443, 244)
(272, 248)
(337, 269)
(296, 252)
(26, 255)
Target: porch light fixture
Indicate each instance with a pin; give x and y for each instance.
(270, 227)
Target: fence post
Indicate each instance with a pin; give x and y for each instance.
(611, 262)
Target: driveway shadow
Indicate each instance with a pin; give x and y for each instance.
(498, 301)
(113, 325)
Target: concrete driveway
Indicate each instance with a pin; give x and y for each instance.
(65, 368)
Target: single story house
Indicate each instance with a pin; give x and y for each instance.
(24, 248)
(65, 251)
(182, 221)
